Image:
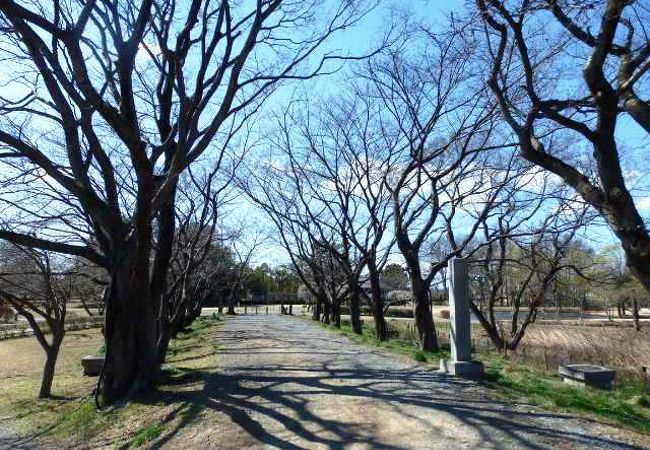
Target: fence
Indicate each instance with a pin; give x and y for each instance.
(22, 329)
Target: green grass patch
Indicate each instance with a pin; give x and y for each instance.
(540, 388)
(420, 356)
(147, 434)
(626, 405)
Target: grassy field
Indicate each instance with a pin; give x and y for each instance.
(71, 419)
(628, 404)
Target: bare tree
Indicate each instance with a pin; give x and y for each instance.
(110, 103)
(199, 206)
(518, 263)
(337, 164)
(30, 282)
(447, 172)
(567, 76)
(306, 231)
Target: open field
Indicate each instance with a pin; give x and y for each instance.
(70, 420)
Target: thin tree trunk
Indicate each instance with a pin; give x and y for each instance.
(51, 356)
(489, 327)
(355, 309)
(636, 315)
(381, 328)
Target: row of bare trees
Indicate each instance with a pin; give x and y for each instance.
(109, 103)
(421, 155)
(413, 159)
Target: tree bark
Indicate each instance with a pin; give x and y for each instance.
(355, 308)
(51, 356)
(317, 309)
(636, 315)
(326, 311)
(336, 313)
(132, 359)
(425, 327)
(381, 328)
(231, 302)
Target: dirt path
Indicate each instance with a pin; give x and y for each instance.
(10, 440)
(286, 383)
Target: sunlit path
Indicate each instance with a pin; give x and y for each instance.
(284, 382)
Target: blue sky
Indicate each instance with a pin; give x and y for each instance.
(632, 139)
(364, 36)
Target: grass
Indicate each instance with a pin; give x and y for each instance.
(147, 434)
(623, 405)
(626, 405)
(397, 344)
(74, 420)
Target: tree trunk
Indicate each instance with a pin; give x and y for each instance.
(635, 314)
(326, 311)
(381, 328)
(423, 317)
(355, 308)
(336, 313)
(317, 309)
(231, 304)
(51, 356)
(132, 359)
(489, 326)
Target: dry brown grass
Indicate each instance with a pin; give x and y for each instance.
(546, 346)
(618, 347)
(73, 422)
(23, 359)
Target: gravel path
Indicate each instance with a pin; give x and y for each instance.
(283, 382)
(10, 440)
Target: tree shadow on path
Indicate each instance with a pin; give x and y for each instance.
(277, 403)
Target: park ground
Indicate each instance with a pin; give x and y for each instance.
(270, 381)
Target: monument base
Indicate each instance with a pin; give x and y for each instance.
(469, 369)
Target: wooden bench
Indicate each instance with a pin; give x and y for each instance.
(582, 375)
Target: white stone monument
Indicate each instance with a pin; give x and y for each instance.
(460, 327)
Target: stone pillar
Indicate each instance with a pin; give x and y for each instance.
(460, 327)
(460, 332)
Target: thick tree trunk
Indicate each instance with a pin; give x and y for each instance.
(381, 328)
(132, 358)
(51, 356)
(427, 338)
(317, 309)
(231, 304)
(336, 313)
(164, 250)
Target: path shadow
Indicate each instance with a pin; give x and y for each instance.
(283, 394)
